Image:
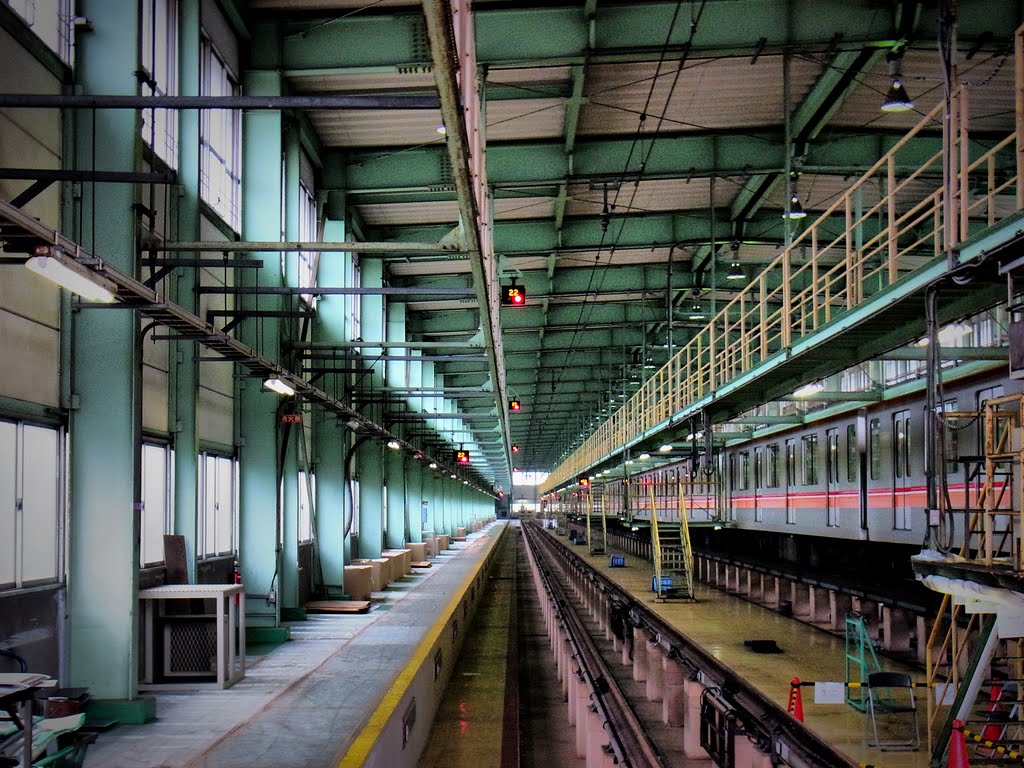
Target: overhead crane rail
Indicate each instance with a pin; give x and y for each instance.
(735, 703)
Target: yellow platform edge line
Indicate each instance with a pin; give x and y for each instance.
(360, 748)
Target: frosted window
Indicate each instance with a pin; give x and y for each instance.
(225, 506)
(307, 490)
(40, 504)
(8, 501)
(160, 63)
(155, 503)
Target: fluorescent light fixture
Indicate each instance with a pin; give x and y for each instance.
(696, 313)
(665, 448)
(718, 527)
(73, 277)
(433, 465)
(394, 445)
(452, 476)
(441, 129)
(629, 461)
(465, 482)
(644, 456)
(277, 385)
(809, 389)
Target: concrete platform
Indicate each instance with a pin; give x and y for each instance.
(303, 704)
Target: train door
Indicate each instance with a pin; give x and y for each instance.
(791, 481)
(904, 494)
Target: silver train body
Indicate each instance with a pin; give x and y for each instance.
(851, 472)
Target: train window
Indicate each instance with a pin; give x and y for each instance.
(951, 439)
(790, 480)
(758, 468)
(745, 470)
(773, 465)
(988, 393)
(733, 474)
(875, 448)
(901, 436)
(809, 448)
(791, 462)
(832, 459)
(851, 452)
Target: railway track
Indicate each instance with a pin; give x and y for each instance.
(640, 693)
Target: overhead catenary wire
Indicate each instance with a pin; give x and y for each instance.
(694, 23)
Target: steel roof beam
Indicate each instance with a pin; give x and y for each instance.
(443, 47)
(248, 246)
(313, 101)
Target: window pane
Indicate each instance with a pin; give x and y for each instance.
(225, 505)
(40, 504)
(8, 494)
(305, 525)
(851, 453)
(208, 506)
(875, 448)
(154, 503)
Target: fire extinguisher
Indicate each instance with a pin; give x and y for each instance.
(237, 573)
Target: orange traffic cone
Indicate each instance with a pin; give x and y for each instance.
(958, 747)
(796, 701)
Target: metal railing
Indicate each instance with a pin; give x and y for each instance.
(891, 223)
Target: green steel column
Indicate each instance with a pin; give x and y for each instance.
(259, 490)
(415, 472)
(103, 530)
(396, 490)
(396, 376)
(292, 433)
(370, 464)
(329, 434)
(183, 384)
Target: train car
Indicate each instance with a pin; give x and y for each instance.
(849, 472)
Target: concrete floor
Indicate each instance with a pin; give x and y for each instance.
(301, 705)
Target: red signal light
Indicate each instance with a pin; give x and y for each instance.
(584, 482)
(462, 457)
(515, 406)
(515, 448)
(513, 295)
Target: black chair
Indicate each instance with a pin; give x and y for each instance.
(892, 693)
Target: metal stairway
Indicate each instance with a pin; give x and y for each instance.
(672, 552)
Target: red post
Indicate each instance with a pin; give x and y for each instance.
(796, 701)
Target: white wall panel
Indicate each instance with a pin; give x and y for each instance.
(31, 355)
(215, 417)
(154, 399)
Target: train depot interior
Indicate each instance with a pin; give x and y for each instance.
(511, 382)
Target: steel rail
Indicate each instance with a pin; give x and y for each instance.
(630, 741)
(790, 740)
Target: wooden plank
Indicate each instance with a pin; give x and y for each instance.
(422, 564)
(338, 606)
(175, 561)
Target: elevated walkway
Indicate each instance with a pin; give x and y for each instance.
(851, 286)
